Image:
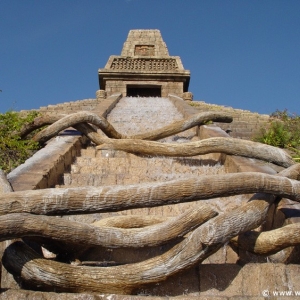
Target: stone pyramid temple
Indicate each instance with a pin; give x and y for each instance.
(144, 193)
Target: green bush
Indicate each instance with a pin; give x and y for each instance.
(14, 150)
(283, 131)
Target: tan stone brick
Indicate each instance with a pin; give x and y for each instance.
(109, 180)
(216, 279)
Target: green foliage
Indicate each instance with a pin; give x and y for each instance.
(283, 132)
(14, 150)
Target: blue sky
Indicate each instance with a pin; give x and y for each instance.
(241, 53)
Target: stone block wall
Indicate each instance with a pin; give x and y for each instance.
(144, 61)
(70, 107)
(145, 37)
(245, 125)
(114, 86)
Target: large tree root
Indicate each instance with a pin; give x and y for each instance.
(130, 221)
(211, 145)
(91, 133)
(80, 118)
(182, 125)
(73, 119)
(22, 261)
(201, 243)
(111, 198)
(115, 198)
(21, 213)
(26, 225)
(88, 130)
(37, 123)
(269, 242)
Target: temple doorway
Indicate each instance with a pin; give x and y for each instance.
(143, 91)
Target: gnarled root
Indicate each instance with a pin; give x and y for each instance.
(269, 242)
(22, 261)
(182, 125)
(201, 243)
(130, 221)
(77, 120)
(24, 225)
(115, 198)
(39, 122)
(211, 145)
(88, 130)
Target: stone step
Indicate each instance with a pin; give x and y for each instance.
(97, 168)
(127, 162)
(75, 180)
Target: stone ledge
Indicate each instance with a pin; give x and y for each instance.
(25, 295)
(182, 106)
(251, 122)
(45, 166)
(247, 281)
(107, 105)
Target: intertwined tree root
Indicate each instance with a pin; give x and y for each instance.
(115, 198)
(28, 213)
(201, 243)
(88, 122)
(211, 145)
(21, 224)
(269, 242)
(82, 118)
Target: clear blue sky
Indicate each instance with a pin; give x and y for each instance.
(241, 53)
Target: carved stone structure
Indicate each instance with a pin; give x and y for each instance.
(144, 68)
(187, 96)
(100, 94)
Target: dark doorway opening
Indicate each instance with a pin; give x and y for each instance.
(143, 91)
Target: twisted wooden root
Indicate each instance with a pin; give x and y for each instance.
(201, 243)
(39, 122)
(73, 119)
(182, 125)
(24, 225)
(115, 198)
(88, 130)
(269, 242)
(130, 221)
(79, 121)
(211, 145)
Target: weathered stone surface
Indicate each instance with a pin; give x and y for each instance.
(24, 295)
(144, 68)
(251, 280)
(245, 125)
(6, 279)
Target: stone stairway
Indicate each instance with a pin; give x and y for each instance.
(220, 276)
(98, 168)
(106, 167)
(132, 116)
